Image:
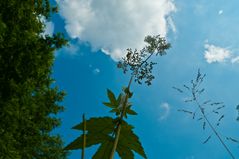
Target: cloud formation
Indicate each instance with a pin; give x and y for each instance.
(220, 12)
(96, 71)
(235, 59)
(216, 54)
(165, 109)
(114, 26)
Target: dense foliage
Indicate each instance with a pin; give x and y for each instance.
(28, 101)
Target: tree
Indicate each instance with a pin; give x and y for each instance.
(115, 134)
(28, 101)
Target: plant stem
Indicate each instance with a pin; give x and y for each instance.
(214, 130)
(84, 138)
(118, 127)
(116, 140)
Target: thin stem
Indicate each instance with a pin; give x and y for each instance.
(130, 82)
(214, 130)
(145, 60)
(115, 141)
(118, 127)
(84, 138)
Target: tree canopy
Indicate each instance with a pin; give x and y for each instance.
(28, 101)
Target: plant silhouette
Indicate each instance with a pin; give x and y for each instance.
(115, 134)
(204, 109)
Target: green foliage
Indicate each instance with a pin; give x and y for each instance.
(100, 131)
(28, 102)
(116, 103)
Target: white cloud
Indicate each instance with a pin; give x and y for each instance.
(216, 54)
(220, 12)
(235, 59)
(114, 26)
(165, 109)
(73, 49)
(96, 71)
(171, 24)
(48, 28)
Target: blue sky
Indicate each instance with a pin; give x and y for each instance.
(203, 34)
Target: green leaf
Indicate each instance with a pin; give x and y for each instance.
(104, 150)
(119, 99)
(127, 91)
(100, 130)
(109, 105)
(103, 125)
(131, 112)
(130, 140)
(124, 152)
(76, 144)
(111, 97)
(116, 111)
(91, 139)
